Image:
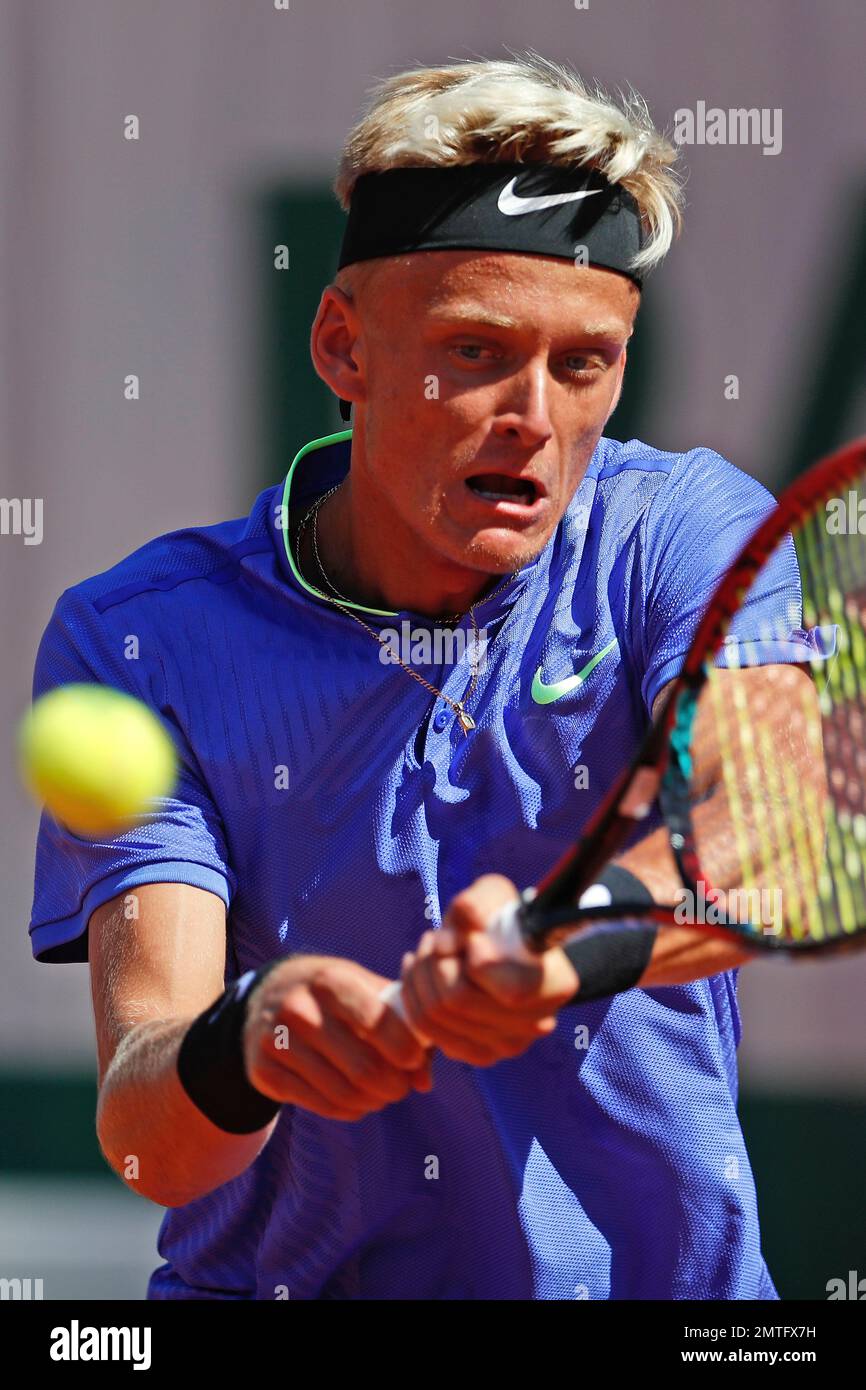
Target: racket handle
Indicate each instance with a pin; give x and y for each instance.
(505, 927)
(392, 995)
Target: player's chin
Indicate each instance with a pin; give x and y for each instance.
(502, 537)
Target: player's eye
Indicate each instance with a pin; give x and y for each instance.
(471, 351)
(581, 365)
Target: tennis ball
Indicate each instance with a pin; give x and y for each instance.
(95, 757)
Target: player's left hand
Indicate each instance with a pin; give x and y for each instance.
(473, 1001)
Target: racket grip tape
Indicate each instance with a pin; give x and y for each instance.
(392, 995)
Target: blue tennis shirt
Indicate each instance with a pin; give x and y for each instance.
(336, 807)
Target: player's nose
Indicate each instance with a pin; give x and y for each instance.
(525, 405)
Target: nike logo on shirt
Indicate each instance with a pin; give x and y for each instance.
(546, 694)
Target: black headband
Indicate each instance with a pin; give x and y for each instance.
(494, 207)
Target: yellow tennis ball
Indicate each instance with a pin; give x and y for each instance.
(95, 757)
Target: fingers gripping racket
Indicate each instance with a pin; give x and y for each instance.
(756, 763)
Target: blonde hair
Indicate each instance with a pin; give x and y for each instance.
(526, 109)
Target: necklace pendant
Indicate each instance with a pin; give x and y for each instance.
(465, 720)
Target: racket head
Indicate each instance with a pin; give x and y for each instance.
(772, 847)
(817, 910)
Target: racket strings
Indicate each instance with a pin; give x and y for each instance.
(833, 563)
(778, 750)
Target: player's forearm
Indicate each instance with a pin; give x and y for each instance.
(152, 1134)
(680, 953)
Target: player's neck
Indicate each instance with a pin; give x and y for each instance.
(369, 557)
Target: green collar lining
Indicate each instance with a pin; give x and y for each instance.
(320, 443)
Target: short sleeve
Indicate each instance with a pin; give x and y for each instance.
(180, 840)
(694, 529)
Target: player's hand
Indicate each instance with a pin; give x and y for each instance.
(473, 1001)
(318, 1035)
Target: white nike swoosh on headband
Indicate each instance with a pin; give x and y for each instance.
(512, 206)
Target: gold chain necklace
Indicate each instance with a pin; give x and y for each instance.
(464, 719)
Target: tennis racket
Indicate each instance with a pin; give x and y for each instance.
(755, 768)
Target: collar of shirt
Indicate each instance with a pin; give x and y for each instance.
(325, 461)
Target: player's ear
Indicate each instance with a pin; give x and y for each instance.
(334, 346)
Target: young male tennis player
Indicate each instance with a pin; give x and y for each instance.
(350, 779)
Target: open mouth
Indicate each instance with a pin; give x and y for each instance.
(500, 487)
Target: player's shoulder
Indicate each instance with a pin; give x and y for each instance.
(172, 562)
(614, 459)
(671, 484)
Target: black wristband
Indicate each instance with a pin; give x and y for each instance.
(614, 958)
(210, 1062)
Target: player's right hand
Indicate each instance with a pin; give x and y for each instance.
(318, 1035)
